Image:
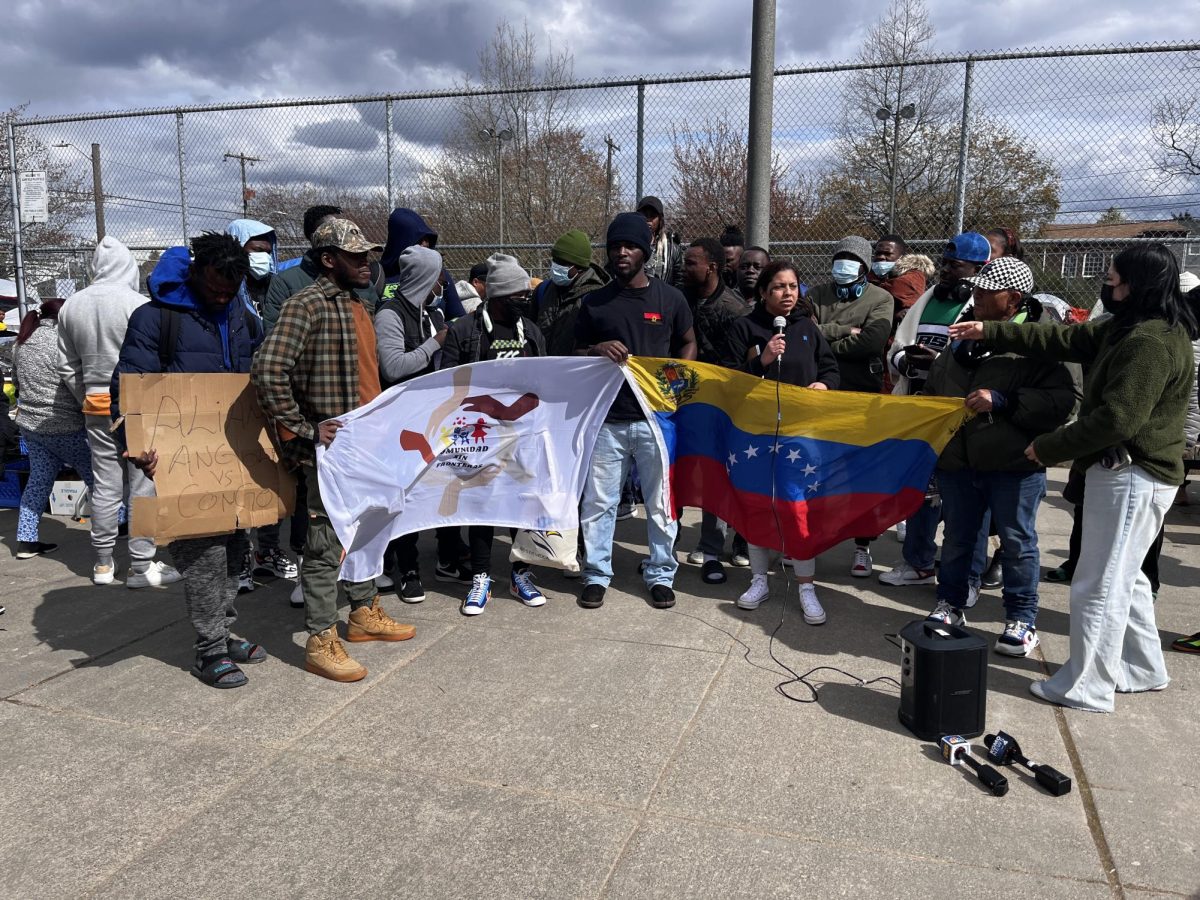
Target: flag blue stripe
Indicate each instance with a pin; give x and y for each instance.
(806, 468)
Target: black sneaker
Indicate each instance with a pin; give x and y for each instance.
(712, 572)
(454, 572)
(592, 596)
(662, 597)
(30, 549)
(411, 590)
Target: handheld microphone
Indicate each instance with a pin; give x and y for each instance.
(780, 325)
(956, 750)
(1004, 750)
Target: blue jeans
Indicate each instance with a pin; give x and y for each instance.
(618, 444)
(1012, 498)
(920, 541)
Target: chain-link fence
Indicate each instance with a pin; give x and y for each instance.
(1065, 147)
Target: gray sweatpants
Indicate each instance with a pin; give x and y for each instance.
(209, 566)
(110, 475)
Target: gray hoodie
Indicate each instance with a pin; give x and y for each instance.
(92, 323)
(420, 269)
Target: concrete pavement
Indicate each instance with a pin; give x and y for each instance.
(560, 752)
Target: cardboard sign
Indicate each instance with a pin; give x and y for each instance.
(217, 468)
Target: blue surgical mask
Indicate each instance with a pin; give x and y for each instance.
(560, 274)
(882, 267)
(846, 271)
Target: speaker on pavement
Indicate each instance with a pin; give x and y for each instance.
(943, 680)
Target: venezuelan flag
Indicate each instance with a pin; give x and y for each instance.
(843, 465)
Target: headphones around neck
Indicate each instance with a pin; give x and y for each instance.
(844, 291)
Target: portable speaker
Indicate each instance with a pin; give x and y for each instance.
(943, 680)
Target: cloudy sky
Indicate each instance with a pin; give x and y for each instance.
(80, 55)
(68, 56)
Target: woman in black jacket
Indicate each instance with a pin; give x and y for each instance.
(801, 356)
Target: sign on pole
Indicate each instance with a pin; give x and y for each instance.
(35, 199)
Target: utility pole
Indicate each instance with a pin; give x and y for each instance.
(97, 193)
(612, 148)
(499, 136)
(762, 101)
(242, 158)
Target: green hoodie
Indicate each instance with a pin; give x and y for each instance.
(1135, 392)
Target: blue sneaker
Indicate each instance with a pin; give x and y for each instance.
(522, 587)
(479, 595)
(1019, 639)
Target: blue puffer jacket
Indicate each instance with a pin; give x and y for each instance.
(207, 342)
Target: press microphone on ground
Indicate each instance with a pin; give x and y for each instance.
(956, 750)
(1004, 750)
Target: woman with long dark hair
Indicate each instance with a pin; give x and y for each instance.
(50, 421)
(809, 362)
(1129, 438)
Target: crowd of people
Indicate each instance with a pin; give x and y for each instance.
(325, 334)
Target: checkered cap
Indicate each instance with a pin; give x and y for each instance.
(343, 234)
(1005, 273)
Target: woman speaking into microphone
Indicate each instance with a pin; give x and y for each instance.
(1129, 438)
(779, 341)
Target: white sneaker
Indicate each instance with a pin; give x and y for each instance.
(756, 595)
(814, 614)
(103, 574)
(901, 531)
(158, 575)
(695, 558)
(297, 597)
(861, 567)
(904, 574)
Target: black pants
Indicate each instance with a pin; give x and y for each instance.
(404, 549)
(480, 538)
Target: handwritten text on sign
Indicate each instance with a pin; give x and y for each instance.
(217, 469)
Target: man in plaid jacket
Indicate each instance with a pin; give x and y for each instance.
(318, 363)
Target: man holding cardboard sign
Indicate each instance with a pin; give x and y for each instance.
(319, 362)
(191, 326)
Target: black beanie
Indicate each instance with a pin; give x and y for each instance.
(630, 227)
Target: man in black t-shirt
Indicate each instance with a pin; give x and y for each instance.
(633, 314)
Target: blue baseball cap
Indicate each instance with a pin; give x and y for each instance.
(970, 246)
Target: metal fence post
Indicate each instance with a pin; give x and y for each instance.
(389, 138)
(762, 100)
(18, 258)
(641, 136)
(182, 184)
(964, 140)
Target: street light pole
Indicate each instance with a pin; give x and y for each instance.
(504, 134)
(242, 158)
(97, 185)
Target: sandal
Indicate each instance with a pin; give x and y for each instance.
(245, 652)
(219, 672)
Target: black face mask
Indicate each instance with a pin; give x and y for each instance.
(1106, 298)
(519, 307)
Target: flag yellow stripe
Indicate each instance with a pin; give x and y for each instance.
(847, 417)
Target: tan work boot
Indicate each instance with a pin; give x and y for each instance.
(371, 623)
(324, 655)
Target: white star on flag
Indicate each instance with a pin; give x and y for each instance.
(809, 469)
(793, 455)
(751, 451)
(732, 458)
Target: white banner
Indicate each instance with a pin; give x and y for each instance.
(504, 443)
(35, 199)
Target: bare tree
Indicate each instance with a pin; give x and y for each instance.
(70, 201)
(282, 207)
(1175, 128)
(553, 179)
(710, 184)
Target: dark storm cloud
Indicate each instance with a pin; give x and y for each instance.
(337, 134)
